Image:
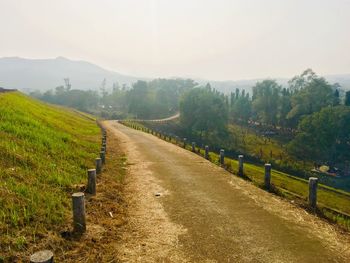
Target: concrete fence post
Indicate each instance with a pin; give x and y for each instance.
(267, 176)
(44, 256)
(103, 157)
(91, 187)
(98, 165)
(79, 222)
(240, 165)
(105, 146)
(185, 141)
(193, 147)
(313, 182)
(222, 156)
(206, 154)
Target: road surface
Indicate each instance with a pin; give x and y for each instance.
(185, 208)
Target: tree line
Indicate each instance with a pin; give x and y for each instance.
(143, 100)
(310, 108)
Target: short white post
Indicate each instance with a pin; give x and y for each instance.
(103, 157)
(267, 176)
(222, 156)
(91, 187)
(193, 146)
(313, 182)
(79, 222)
(206, 155)
(185, 140)
(240, 165)
(44, 256)
(98, 165)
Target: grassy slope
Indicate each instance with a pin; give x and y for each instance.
(44, 151)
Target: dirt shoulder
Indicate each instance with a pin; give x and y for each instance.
(149, 235)
(106, 214)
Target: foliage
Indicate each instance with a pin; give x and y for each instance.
(347, 98)
(203, 111)
(324, 135)
(315, 95)
(240, 106)
(145, 100)
(266, 101)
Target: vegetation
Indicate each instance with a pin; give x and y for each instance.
(271, 124)
(204, 113)
(45, 152)
(324, 135)
(145, 100)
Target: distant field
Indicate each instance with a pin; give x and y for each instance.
(44, 152)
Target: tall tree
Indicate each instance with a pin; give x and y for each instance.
(204, 112)
(347, 98)
(314, 94)
(266, 101)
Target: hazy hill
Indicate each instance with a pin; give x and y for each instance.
(44, 74)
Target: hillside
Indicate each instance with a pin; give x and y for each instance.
(44, 74)
(44, 153)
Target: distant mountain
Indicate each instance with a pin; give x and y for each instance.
(43, 74)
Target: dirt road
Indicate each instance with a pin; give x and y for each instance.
(205, 214)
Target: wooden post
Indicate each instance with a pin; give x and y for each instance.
(44, 256)
(98, 165)
(206, 154)
(79, 222)
(313, 181)
(103, 157)
(267, 176)
(222, 156)
(240, 165)
(185, 140)
(91, 187)
(193, 147)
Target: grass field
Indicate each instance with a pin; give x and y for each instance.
(44, 154)
(333, 204)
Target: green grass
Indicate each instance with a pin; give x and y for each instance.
(334, 204)
(44, 151)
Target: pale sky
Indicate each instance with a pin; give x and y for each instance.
(211, 39)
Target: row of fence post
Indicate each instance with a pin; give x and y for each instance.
(313, 181)
(78, 202)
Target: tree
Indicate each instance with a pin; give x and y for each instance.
(347, 98)
(311, 97)
(265, 104)
(240, 106)
(204, 112)
(324, 136)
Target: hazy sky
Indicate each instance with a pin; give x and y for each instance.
(211, 39)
